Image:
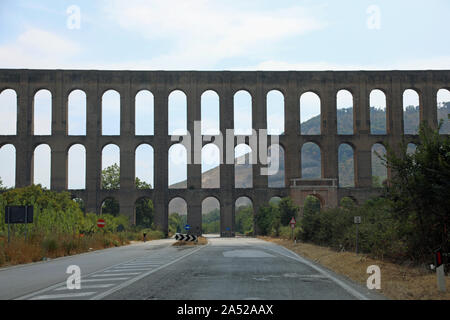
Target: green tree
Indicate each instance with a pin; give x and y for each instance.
(376, 182)
(268, 219)
(288, 209)
(111, 206)
(244, 220)
(211, 222)
(177, 222)
(144, 207)
(144, 213)
(420, 189)
(142, 184)
(111, 177)
(310, 221)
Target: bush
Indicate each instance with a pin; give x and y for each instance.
(50, 245)
(286, 232)
(268, 220)
(380, 234)
(60, 227)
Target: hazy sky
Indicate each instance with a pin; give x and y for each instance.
(212, 35)
(218, 35)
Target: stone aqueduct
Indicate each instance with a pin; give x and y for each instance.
(225, 83)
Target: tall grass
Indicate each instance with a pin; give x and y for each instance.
(59, 228)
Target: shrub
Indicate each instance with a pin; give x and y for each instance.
(50, 245)
(268, 220)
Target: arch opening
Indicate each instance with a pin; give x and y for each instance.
(111, 113)
(210, 113)
(144, 212)
(276, 178)
(411, 111)
(344, 112)
(275, 112)
(8, 167)
(311, 161)
(110, 179)
(144, 167)
(346, 166)
(177, 113)
(110, 206)
(379, 171)
(312, 204)
(177, 167)
(243, 169)
(211, 216)
(42, 165)
(242, 106)
(210, 166)
(144, 113)
(76, 167)
(76, 113)
(177, 215)
(377, 100)
(310, 114)
(8, 112)
(42, 113)
(244, 216)
(443, 110)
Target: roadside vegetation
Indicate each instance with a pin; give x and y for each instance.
(61, 227)
(404, 225)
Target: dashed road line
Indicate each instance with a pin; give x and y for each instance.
(112, 278)
(95, 286)
(115, 274)
(131, 281)
(104, 279)
(62, 296)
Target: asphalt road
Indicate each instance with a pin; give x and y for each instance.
(225, 269)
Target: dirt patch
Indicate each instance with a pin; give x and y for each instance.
(201, 241)
(397, 282)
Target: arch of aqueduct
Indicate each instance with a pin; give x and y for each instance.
(225, 83)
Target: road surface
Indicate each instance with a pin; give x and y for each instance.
(225, 269)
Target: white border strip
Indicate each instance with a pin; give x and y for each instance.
(133, 280)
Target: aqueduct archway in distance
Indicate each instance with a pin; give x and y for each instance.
(291, 84)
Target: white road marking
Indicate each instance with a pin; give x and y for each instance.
(65, 295)
(116, 274)
(108, 272)
(128, 269)
(57, 285)
(133, 280)
(52, 287)
(95, 286)
(104, 279)
(141, 264)
(133, 267)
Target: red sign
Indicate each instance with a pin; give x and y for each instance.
(100, 223)
(292, 223)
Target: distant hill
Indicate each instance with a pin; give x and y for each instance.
(311, 154)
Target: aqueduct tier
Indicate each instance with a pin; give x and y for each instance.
(60, 83)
